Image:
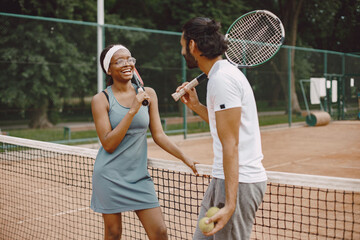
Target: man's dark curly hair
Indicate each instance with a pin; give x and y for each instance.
(207, 36)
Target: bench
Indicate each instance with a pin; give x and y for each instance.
(75, 128)
(4, 133)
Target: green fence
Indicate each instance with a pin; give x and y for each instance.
(52, 63)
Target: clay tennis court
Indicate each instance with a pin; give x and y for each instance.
(49, 194)
(331, 150)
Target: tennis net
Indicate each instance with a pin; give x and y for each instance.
(46, 189)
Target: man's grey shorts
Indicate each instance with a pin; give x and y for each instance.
(239, 227)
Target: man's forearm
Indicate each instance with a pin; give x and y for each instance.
(231, 172)
(202, 111)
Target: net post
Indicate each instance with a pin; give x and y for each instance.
(289, 87)
(183, 68)
(100, 43)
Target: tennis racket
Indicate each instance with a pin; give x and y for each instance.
(139, 82)
(253, 39)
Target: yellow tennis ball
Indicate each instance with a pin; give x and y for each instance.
(212, 211)
(205, 227)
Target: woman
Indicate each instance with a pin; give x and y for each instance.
(121, 181)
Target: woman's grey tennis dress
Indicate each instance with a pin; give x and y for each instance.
(121, 181)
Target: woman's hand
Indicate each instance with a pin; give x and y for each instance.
(139, 98)
(191, 164)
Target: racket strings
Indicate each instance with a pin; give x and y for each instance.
(254, 39)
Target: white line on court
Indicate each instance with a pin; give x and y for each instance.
(54, 215)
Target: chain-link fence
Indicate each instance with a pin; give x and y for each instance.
(50, 65)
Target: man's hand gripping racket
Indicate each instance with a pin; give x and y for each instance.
(253, 39)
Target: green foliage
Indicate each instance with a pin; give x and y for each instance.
(41, 64)
(331, 25)
(66, 9)
(44, 61)
(171, 14)
(306, 66)
(49, 62)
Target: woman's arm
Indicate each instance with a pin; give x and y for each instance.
(160, 138)
(111, 138)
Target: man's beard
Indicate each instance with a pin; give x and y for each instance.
(190, 60)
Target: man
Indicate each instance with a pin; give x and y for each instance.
(239, 178)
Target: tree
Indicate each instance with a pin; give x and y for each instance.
(331, 25)
(42, 60)
(290, 10)
(165, 55)
(170, 15)
(42, 67)
(45, 58)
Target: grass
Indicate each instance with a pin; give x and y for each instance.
(51, 134)
(57, 134)
(279, 119)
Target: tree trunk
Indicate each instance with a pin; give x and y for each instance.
(295, 106)
(39, 118)
(290, 16)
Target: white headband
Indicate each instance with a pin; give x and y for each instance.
(109, 55)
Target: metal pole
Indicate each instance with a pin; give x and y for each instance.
(289, 87)
(325, 75)
(325, 64)
(183, 68)
(100, 43)
(341, 94)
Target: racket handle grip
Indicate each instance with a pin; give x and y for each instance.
(193, 83)
(144, 102)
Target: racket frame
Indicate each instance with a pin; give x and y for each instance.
(279, 45)
(202, 77)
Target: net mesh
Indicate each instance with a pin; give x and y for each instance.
(293, 212)
(254, 39)
(46, 191)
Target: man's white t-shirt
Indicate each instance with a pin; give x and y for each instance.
(229, 88)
